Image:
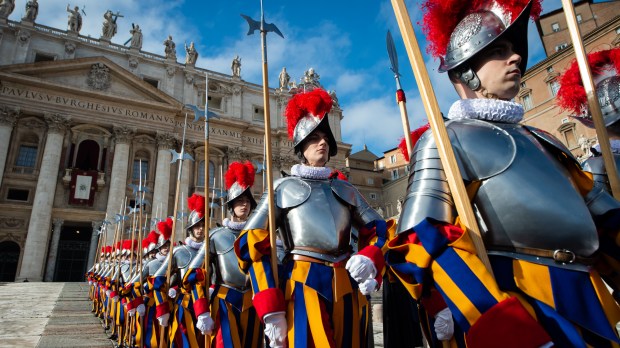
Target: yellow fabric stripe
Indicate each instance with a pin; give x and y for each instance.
(290, 323)
(261, 276)
(192, 335)
(256, 236)
(610, 306)
(314, 318)
(338, 312)
(453, 292)
(534, 280)
(234, 329)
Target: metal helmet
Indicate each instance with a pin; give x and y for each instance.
(605, 66)
(193, 218)
(196, 203)
(307, 112)
(239, 180)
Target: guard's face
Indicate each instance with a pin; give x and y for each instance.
(316, 149)
(164, 249)
(241, 208)
(198, 231)
(497, 66)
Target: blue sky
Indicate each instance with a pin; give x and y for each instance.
(344, 41)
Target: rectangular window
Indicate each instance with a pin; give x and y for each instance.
(523, 85)
(259, 114)
(200, 177)
(381, 165)
(565, 120)
(27, 156)
(394, 173)
(407, 169)
(527, 101)
(555, 27)
(618, 30)
(569, 138)
(215, 102)
(151, 81)
(17, 195)
(42, 57)
(554, 86)
(373, 195)
(579, 18)
(370, 181)
(549, 69)
(393, 159)
(136, 170)
(561, 46)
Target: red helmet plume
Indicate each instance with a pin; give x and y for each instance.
(415, 136)
(165, 228)
(241, 173)
(197, 203)
(572, 95)
(316, 102)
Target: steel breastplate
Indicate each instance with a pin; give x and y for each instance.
(533, 203)
(125, 272)
(183, 258)
(153, 266)
(227, 268)
(596, 166)
(320, 222)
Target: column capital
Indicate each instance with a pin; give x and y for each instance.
(123, 134)
(165, 141)
(56, 123)
(189, 147)
(9, 115)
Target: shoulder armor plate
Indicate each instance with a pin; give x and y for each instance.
(551, 140)
(222, 240)
(182, 256)
(345, 191)
(291, 192)
(482, 149)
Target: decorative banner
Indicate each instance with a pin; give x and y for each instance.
(83, 187)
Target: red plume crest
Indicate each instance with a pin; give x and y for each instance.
(197, 202)
(241, 173)
(316, 102)
(415, 136)
(442, 16)
(165, 228)
(572, 95)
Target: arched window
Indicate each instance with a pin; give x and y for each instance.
(9, 257)
(87, 155)
(200, 175)
(27, 153)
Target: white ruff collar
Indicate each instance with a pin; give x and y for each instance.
(614, 144)
(233, 225)
(192, 244)
(308, 172)
(487, 109)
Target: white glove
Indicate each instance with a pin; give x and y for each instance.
(276, 329)
(361, 268)
(107, 293)
(141, 309)
(95, 283)
(368, 286)
(205, 323)
(444, 326)
(131, 312)
(90, 282)
(211, 292)
(163, 320)
(172, 293)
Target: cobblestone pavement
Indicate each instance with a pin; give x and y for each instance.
(48, 315)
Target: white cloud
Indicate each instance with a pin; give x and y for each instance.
(350, 82)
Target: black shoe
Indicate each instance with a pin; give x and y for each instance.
(114, 337)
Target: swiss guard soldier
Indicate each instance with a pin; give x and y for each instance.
(605, 68)
(182, 331)
(236, 323)
(543, 221)
(322, 302)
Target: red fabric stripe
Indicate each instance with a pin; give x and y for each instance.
(268, 301)
(201, 306)
(162, 309)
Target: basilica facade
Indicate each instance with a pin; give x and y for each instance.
(83, 120)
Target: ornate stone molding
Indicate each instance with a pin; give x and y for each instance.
(236, 154)
(190, 147)
(133, 63)
(99, 77)
(165, 141)
(189, 77)
(23, 37)
(31, 123)
(56, 123)
(12, 223)
(123, 134)
(8, 116)
(69, 47)
(170, 70)
(237, 90)
(144, 140)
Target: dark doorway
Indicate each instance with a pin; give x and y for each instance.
(9, 257)
(72, 253)
(87, 156)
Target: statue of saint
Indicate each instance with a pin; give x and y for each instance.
(136, 36)
(171, 48)
(32, 10)
(75, 19)
(191, 54)
(284, 79)
(109, 24)
(584, 144)
(236, 66)
(6, 8)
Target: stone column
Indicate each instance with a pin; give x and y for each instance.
(161, 192)
(94, 241)
(118, 178)
(32, 266)
(8, 118)
(53, 253)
